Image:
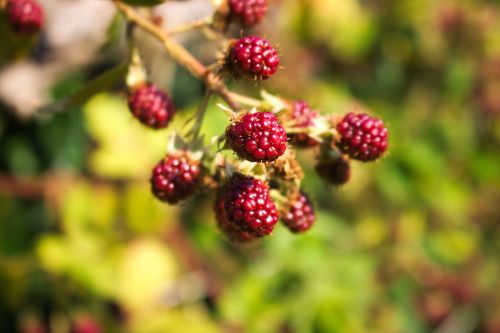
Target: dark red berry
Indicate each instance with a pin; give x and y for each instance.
(25, 16)
(86, 324)
(175, 177)
(302, 116)
(300, 217)
(257, 137)
(252, 58)
(248, 205)
(362, 137)
(336, 171)
(248, 12)
(231, 230)
(152, 106)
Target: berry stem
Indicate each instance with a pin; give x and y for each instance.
(191, 26)
(194, 132)
(245, 100)
(179, 54)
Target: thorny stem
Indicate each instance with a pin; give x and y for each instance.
(179, 54)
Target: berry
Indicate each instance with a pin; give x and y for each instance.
(25, 16)
(175, 177)
(248, 205)
(252, 58)
(248, 12)
(153, 107)
(362, 137)
(231, 230)
(257, 137)
(303, 116)
(300, 217)
(86, 324)
(335, 171)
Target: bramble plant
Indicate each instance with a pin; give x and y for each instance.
(261, 182)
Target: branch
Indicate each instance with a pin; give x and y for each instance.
(179, 54)
(190, 26)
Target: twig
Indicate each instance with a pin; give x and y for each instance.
(179, 54)
(190, 26)
(249, 101)
(194, 132)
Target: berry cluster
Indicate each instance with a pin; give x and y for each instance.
(300, 217)
(303, 116)
(248, 12)
(257, 137)
(248, 205)
(263, 184)
(175, 177)
(151, 106)
(25, 16)
(363, 138)
(252, 58)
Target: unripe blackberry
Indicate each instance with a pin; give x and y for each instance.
(257, 137)
(175, 177)
(248, 205)
(252, 58)
(303, 117)
(229, 229)
(151, 106)
(300, 217)
(336, 171)
(248, 12)
(25, 16)
(362, 137)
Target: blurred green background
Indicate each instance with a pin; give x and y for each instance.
(411, 244)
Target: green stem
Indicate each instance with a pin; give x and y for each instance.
(194, 132)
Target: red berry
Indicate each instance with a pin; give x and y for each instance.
(86, 324)
(336, 171)
(257, 137)
(302, 116)
(175, 177)
(249, 206)
(252, 58)
(248, 12)
(300, 217)
(362, 137)
(25, 16)
(153, 107)
(230, 229)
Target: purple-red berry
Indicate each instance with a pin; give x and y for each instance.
(252, 58)
(362, 137)
(86, 324)
(303, 117)
(249, 206)
(229, 229)
(25, 16)
(176, 177)
(336, 171)
(300, 217)
(151, 106)
(257, 137)
(248, 12)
